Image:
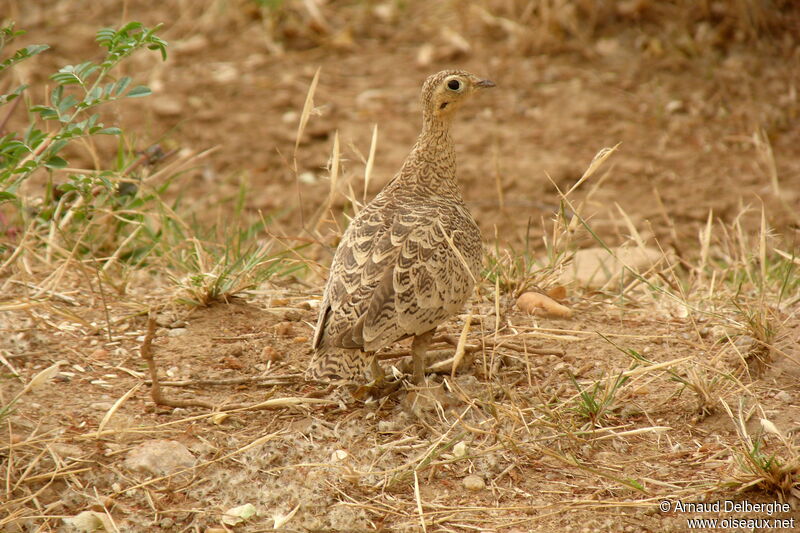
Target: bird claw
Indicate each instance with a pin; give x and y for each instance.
(377, 388)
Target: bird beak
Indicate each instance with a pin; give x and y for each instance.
(484, 84)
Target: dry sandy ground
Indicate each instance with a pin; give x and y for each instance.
(706, 119)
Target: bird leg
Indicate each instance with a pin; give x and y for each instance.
(419, 346)
(377, 371)
(378, 387)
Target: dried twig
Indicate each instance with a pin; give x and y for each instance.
(268, 381)
(159, 399)
(502, 342)
(155, 390)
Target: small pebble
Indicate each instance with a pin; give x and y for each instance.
(386, 426)
(474, 483)
(289, 117)
(292, 316)
(177, 332)
(338, 456)
(284, 329)
(745, 342)
(270, 354)
(159, 457)
(783, 396)
(100, 353)
(718, 332)
(224, 72)
(191, 45)
(460, 449)
(166, 106)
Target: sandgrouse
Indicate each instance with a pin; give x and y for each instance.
(410, 258)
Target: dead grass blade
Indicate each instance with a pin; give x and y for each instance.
(308, 108)
(334, 180)
(370, 161)
(418, 499)
(462, 342)
(597, 161)
(705, 241)
(114, 408)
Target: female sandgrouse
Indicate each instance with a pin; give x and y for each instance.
(410, 258)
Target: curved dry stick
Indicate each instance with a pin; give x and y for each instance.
(159, 399)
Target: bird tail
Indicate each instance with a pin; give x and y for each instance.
(338, 364)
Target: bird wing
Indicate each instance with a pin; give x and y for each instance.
(399, 275)
(357, 267)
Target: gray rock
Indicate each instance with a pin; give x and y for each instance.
(177, 332)
(474, 483)
(783, 396)
(88, 522)
(595, 267)
(159, 457)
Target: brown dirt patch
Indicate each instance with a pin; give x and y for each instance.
(686, 98)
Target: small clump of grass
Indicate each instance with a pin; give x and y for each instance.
(709, 385)
(212, 265)
(757, 281)
(515, 271)
(768, 461)
(216, 271)
(759, 326)
(596, 403)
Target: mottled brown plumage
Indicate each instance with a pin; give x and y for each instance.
(409, 260)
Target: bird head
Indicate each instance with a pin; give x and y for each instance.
(445, 91)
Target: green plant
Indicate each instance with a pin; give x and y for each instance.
(515, 271)
(216, 271)
(79, 212)
(596, 403)
(230, 259)
(116, 217)
(756, 467)
(69, 114)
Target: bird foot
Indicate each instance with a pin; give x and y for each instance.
(377, 388)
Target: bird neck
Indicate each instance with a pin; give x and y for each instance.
(435, 127)
(432, 161)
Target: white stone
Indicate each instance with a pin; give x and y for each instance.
(474, 483)
(159, 457)
(595, 267)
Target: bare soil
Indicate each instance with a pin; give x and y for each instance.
(687, 106)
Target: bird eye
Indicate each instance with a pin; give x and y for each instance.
(454, 85)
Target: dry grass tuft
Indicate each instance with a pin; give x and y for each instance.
(767, 461)
(586, 421)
